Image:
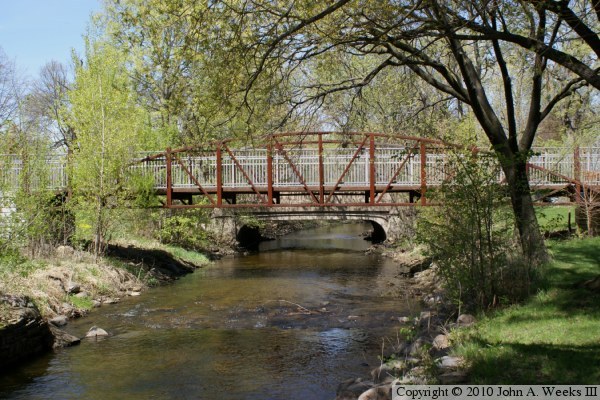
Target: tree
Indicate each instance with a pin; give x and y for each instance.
(186, 73)
(50, 96)
(470, 235)
(111, 127)
(460, 48)
(11, 90)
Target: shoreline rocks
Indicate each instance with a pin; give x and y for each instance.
(26, 334)
(414, 361)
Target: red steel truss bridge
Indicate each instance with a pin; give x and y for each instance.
(321, 169)
(327, 169)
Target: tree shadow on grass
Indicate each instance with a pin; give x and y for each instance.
(156, 262)
(517, 363)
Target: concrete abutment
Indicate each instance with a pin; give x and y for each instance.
(390, 224)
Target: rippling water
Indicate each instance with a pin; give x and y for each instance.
(271, 325)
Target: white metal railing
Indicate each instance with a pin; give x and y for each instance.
(304, 162)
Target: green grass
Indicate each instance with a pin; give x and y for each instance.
(553, 338)
(555, 218)
(84, 303)
(187, 255)
(194, 257)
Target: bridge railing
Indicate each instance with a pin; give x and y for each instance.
(15, 173)
(239, 168)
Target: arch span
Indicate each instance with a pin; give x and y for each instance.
(387, 224)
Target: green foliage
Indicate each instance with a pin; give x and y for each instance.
(250, 221)
(111, 127)
(470, 235)
(38, 220)
(142, 188)
(83, 303)
(12, 261)
(184, 228)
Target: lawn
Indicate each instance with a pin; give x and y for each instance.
(553, 338)
(555, 218)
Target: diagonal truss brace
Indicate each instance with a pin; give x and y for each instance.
(354, 157)
(193, 178)
(282, 151)
(400, 167)
(243, 171)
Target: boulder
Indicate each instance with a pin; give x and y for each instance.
(64, 251)
(96, 332)
(383, 392)
(73, 288)
(60, 320)
(62, 338)
(440, 342)
(352, 388)
(23, 332)
(449, 362)
(465, 320)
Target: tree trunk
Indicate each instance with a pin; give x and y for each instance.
(532, 242)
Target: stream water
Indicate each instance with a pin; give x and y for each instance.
(292, 321)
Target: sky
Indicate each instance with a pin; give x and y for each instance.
(34, 32)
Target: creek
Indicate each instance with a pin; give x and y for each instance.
(292, 321)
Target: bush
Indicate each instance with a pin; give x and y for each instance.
(184, 228)
(471, 235)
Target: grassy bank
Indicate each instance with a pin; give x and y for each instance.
(128, 268)
(553, 338)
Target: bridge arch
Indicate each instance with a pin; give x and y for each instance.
(243, 224)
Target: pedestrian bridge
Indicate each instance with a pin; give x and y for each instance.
(319, 169)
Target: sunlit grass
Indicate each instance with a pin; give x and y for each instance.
(555, 218)
(552, 338)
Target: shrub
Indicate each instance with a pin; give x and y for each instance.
(471, 235)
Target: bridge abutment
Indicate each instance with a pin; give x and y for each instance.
(390, 224)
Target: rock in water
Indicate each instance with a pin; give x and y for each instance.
(23, 333)
(60, 320)
(63, 339)
(383, 392)
(96, 332)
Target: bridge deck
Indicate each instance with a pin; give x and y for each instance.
(316, 172)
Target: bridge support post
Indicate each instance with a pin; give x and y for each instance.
(372, 169)
(423, 154)
(577, 175)
(321, 172)
(270, 174)
(169, 179)
(219, 176)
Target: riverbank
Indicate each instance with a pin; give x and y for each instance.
(552, 338)
(38, 296)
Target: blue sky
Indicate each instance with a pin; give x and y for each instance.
(33, 32)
